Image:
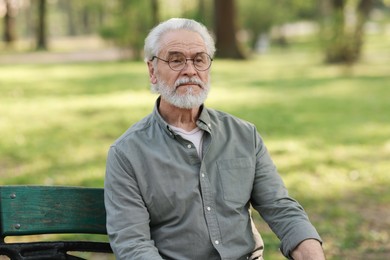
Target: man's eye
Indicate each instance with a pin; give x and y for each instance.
(199, 60)
(176, 59)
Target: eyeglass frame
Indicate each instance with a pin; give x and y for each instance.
(186, 59)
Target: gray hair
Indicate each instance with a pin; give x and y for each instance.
(152, 44)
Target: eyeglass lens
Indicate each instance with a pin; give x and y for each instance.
(177, 61)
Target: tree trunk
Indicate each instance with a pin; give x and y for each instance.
(67, 5)
(225, 30)
(41, 26)
(344, 40)
(9, 24)
(363, 11)
(86, 20)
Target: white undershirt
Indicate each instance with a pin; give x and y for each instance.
(195, 136)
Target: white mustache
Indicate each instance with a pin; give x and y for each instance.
(187, 80)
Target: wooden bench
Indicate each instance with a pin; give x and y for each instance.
(32, 210)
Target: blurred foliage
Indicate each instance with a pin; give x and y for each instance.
(82, 17)
(342, 28)
(124, 23)
(129, 25)
(258, 17)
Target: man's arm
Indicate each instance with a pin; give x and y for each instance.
(309, 249)
(127, 216)
(270, 198)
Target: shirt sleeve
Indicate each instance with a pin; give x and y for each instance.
(127, 216)
(270, 198)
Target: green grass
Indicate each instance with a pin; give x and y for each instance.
(327, 129)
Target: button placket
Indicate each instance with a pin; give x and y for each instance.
(210, 214)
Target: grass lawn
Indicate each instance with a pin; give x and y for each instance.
(327, 129)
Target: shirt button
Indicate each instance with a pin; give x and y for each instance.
(208, 208)
(189, 146)
(202, 175)
(216, 242)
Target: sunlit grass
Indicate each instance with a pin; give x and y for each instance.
(326, 127)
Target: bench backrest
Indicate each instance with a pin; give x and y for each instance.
(29, 210)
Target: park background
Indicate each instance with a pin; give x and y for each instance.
(313, 76)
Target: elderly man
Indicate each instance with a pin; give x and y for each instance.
(180, 183)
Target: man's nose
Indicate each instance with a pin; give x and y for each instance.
(189, 68)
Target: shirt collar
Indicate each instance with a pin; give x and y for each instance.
(160, 120)
(204, 121)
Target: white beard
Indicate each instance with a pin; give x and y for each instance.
(186, 101)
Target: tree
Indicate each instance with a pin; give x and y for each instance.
(155, 11)
(225, 30)
(343, 36)
(41, 25)
(201, 11)
(9, 23)
(80, 17)
(258, 17)
(129, 26)
(70, 15)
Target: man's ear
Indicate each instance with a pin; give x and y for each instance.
(152, 75)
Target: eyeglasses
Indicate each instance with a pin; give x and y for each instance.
(177, 61)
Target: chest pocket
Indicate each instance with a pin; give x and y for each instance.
(237, 177)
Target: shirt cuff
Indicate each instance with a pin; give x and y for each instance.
(301, 232)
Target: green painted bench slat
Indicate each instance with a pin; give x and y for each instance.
(27, 210)
(33, 210)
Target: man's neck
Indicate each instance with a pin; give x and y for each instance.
(179, 117)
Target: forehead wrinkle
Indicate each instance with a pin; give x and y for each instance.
(179, 52)
(176, 41)
(181, 46)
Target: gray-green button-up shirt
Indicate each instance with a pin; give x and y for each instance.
(164, 202)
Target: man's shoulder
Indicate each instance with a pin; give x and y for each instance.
(134, 131)
(225, 117)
